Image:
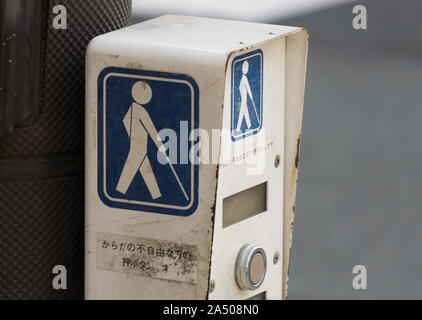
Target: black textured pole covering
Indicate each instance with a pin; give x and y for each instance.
(42, 141)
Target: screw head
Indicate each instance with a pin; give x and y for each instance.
(277, 161)
(212, 286)
(276, 257)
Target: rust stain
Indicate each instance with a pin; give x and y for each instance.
(213, 208)
(212, 84)
(293, 170)
(297, 152)
(134, 65)
(227, 61)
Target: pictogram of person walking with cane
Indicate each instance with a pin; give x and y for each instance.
(139, 126)
(245, 92)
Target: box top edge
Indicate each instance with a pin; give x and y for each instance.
(198, 33)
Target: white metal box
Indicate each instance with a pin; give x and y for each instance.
(192, 139)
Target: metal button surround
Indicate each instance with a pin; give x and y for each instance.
(251, 266)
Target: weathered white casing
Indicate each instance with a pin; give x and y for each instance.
(203, 49)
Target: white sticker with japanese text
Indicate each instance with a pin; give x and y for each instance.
(146, 257)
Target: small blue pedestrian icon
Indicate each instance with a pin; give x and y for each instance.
(133, 106)
(246, 103)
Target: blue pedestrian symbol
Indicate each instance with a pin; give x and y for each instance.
(246, 103)
(133, 106)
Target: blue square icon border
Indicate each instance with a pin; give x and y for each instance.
(131, 204)
(256, 129)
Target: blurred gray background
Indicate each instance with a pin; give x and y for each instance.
(359, 187)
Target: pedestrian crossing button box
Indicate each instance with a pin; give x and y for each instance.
(192, 139)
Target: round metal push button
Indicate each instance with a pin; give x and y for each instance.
(251, 265)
